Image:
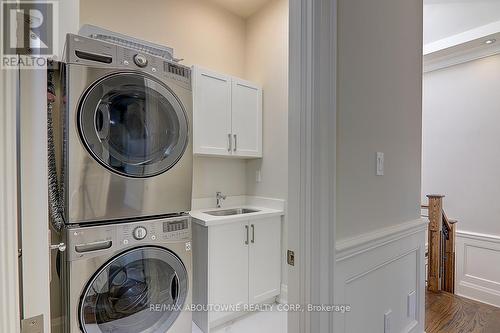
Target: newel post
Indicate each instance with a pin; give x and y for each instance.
(434, 253)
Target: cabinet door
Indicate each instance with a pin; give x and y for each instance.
(228, 266)
(246, 119)
(265, 259)
(211, 112)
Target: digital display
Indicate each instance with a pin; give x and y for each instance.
(175, 226)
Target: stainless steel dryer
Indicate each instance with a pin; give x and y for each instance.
(131, 277)
(127, 148)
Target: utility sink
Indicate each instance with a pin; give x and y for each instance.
(229, 212)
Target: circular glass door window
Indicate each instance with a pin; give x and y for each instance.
(133, 124)
(142, 290)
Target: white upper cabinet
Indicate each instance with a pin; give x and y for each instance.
(227, 118)
(212, 112)
(247, 118)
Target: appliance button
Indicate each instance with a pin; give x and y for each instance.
(140, 60)
(153, 70)
(125, 62)
(153, 237)
(125, 241)
(140, 233)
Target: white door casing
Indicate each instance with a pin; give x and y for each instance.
(312, 160)
(9, 270)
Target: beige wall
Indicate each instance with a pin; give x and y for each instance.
(200, 33)
(379, 110)
(267, 64)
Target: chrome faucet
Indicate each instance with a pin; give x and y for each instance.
(219, 196)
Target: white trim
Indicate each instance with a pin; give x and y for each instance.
(475, 279)
(367, 242)
(9, 274)
(462, 38)
(312, 164)
(461, 53)
(34, 195)
(283, 297)
(386, 264)
(478, 236)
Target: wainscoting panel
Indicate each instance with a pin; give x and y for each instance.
(478, 267)
(382, 274)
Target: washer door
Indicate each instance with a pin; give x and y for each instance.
(141, 290)
(133, 124)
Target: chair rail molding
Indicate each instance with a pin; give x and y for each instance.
(381, 271)
(476, 277)
(9, 271)
(311, 193)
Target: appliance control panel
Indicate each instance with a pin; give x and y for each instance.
(155, 231)
(133, 60)
(85, 242)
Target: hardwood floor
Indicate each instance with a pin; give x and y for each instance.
(447, 313)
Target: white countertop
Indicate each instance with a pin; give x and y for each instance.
(208, 220)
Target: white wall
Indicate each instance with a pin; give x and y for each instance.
(380, 236)
(379, 110)
(461, 136)
(461, 159)
(201, 33)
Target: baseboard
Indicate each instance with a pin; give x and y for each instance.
(476, 277)
(375, 273)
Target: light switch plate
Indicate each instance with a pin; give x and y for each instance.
(380, 164)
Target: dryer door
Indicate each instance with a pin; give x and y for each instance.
(141, 290)
(133, 124)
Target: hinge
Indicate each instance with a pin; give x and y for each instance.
(290, 258)
(32, 325)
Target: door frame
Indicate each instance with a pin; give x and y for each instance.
(312, 160)
(10, 312)
(311, 208)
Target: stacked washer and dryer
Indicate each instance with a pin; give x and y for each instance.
(126, 172)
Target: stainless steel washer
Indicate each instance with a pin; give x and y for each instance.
(129, 278)
(126, 141)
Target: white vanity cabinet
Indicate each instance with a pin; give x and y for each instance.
(227, 115)
(235, 263)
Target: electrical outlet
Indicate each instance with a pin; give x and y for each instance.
(387, 321)
(380, 164)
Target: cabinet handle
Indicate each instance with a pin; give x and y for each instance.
(229, 143)
(253, 233)
(246, 241)
(235, 142)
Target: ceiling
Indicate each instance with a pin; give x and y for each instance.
(243, 8)
(445, 18)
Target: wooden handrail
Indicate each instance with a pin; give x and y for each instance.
(441, 250)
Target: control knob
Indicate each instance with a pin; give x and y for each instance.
(140, 233)
(140, 60)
